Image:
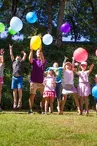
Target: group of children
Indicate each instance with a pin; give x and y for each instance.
(57, 82)
(65, 86)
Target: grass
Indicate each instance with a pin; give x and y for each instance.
(70, 129)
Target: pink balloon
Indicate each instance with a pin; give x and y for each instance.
(65, 27)
(80, 55)
(96, 52)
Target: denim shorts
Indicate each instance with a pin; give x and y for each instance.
(17, 82)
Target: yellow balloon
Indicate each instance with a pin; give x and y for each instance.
(35, 43)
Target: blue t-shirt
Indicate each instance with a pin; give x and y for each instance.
(59, 73)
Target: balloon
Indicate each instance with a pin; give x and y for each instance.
(96, 52)
(2, 27)
(65, 27)
(35, 42)
(80, 55)
(94, 91)
(31, 17)
(16, 24)
(11, 31)
(47, 39)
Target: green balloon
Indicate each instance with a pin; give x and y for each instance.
(11, 31)
(2, 27)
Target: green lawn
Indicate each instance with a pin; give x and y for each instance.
(70, 129)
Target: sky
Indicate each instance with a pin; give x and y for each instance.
(20, 37)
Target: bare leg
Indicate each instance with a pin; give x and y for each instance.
(96, 108)
(46, 104)
(20, 98)
(51, 104)
(42, 104)
(31, 101)
(58, 103)
(64, 98)
(0, 92)
(86, 103)
(15, 98)
(81, 105)
(75, 96)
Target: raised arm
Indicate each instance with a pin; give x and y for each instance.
(11, 53)
(2, 54)
(91, 68)
(24, 55)
(41, 55)
(31, 56)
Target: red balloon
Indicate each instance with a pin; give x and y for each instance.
(80, 55)
(96, 52)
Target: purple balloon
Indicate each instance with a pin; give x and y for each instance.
(65, 27)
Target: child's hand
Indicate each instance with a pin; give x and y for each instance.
(10, 46)
(22, 52)
(92, 65)
(73, 58)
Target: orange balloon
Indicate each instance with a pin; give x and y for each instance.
(35, 43)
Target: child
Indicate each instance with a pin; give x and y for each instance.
(49, 90)
(68, 85)
(1, 73)
(17, 77)
(59, 73)
(84, 85)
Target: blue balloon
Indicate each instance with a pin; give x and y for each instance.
(94, 91)
(31, 17)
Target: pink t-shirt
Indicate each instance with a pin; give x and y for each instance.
(68, 77)
(83, 76)
(49, 83)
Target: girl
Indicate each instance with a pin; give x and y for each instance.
(84, 85)
(1, 73)
(68, 85)
(49, 90)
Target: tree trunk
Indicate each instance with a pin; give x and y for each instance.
(14, 7)
(50, 16)
(60, 21)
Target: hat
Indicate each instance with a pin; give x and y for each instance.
(68, 63)
(84, 63)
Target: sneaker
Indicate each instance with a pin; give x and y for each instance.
(80, 112)
(30, 111)
(58, 109)
(19, 106)
(46, 113)
(86, 112)
(60, 113)
(14, 106)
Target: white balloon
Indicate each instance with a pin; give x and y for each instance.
(47, 39)
(16, 24)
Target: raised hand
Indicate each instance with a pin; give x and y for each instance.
(10, 46)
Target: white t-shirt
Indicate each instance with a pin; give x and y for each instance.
(49, 83)
(68, 77)
(83, 76)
